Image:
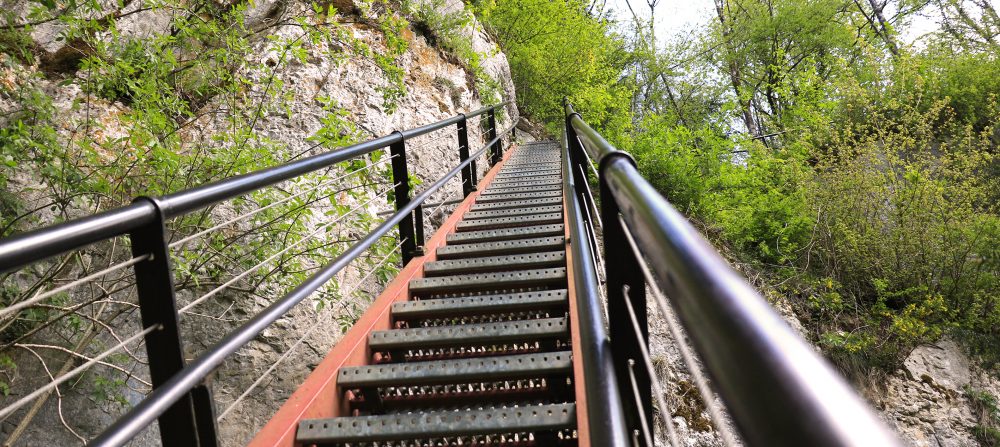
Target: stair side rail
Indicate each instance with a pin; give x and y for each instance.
(604, 423)
(777, 389)
(181, 400)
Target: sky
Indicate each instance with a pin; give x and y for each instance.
(675, 17)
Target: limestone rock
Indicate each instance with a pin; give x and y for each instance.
(942, 364)
(925, 400)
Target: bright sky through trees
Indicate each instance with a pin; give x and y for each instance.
(681, 17)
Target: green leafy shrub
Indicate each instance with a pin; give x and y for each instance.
(753, 197)
(906, 224)
(987, 412)
(447, 28)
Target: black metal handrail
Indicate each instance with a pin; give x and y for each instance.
(603, 404)
(180, 400)
(777, 389)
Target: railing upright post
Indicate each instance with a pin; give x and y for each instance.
(468, 172)
(191, 420)
(576, 158)
(411, 228)
(496, 149)
(624, 281)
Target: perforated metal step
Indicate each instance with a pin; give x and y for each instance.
(495, 263)
(524, 211)
(478, 305)
(504, 234)
(520, 189)
(517, 183)
(543, 173)
(516, 204)
(548, 167)
(456, 371)
(504, 247)
(508, 196)
(439, 424)
(507, 222)
(488, 281)
(548, 163)
(532, 166)
(469, 335)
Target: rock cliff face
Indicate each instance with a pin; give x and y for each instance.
(436, 87)
(929, 400)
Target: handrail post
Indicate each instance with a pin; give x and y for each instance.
(621, 272)
(411, 231)
(624, 281)
(496, 149)
(191, 420)
(603, 405)
(576, 158)
(468, 172)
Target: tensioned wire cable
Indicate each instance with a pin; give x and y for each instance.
(323, 227)
(298, 342)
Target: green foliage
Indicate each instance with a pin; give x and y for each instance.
(987, 411)
(18, 45)
(7, 369)
(447, 28)
(910, 232)
(752, 196)
(859, 175)
(337, 130)
(107, 389)
(557, 50)
(872, 200)
(130, 134)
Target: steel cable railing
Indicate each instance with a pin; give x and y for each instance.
(28, 398)
(286, 199)
(42, 296)
(180, 400)
(775, 387)
(279, 253)
(288, 352)
(191, 376)
(701, 383)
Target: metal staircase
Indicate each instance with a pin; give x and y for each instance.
(480, 353)
(522, 321)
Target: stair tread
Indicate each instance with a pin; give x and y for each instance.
(495, 263)
(505, 222)
(537, 163)
(501, 247)
(524, 211)
(503, 234)
(520, 182)
(469, 334)
(435, 424)
(456, 371)
(507, 196)
(478, 305)
(517, 204)
(507, 175)
(508, 170)
(529, 187)
(481, 281)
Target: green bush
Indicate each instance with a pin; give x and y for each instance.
(987, 411)
(753, 197)
(448, 30)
